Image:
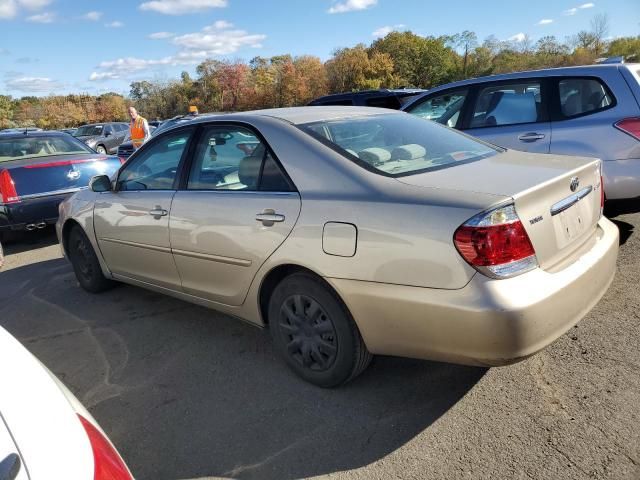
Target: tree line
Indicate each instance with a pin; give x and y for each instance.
(400, 59)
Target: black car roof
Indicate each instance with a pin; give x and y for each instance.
(402, 92)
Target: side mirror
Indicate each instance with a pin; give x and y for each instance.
(100, 183)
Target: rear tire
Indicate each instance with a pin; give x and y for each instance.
(313, 331)
(85, 263)
(101, 149)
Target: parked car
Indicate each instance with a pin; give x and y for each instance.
(70, 131)
(37, 171)
(126, 149)
(103, 137)
(21, 130)
(590, 110)
(45, 432)
(383, 98)
(352, 231)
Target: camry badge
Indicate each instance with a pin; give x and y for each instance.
(575, 183)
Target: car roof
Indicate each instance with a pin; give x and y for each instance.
(398, 92)
(301, 115)
(544, 72)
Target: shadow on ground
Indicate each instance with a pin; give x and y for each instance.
(186, 392)
(26, 241)
(614, 208)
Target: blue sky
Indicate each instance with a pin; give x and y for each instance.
(60, 46)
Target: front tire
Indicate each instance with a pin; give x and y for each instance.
(101, 149)
(314, 333)
(85, 263)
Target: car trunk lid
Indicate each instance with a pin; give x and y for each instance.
(57, 174)
(556, 197)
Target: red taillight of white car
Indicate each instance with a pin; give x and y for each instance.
(107, 462)
(496, 244)
(8, 193)
(630, 126)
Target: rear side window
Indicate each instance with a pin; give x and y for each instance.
(508, 104)
(579, 96)
(383, 102)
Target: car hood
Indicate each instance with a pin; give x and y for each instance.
(40, 418)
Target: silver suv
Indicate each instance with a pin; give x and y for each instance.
(591, 110)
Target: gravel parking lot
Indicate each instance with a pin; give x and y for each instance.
(185, 392)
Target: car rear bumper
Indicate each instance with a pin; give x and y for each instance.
(30, 212)
(621, 178)
(488, 322)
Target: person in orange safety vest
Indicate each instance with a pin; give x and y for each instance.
(138, 128)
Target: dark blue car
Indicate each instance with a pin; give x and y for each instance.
(40, 169)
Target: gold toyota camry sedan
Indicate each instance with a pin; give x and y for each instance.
(349, 232)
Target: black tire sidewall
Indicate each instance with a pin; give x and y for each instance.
(347, 343)
(97, 281)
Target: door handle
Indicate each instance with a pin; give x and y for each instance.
(531, 137)
(158, 212)
(268, 217)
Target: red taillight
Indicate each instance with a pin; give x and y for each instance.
(8, 192)
(630, 126)
(601, 193)
(496, 243)
(107, 462)
(64, 163)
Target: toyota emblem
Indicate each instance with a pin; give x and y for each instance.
(575, 183)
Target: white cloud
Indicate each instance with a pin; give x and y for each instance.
(99, 77)
(181, 7)
(587, 5)
(518, 37)
(161, 35)
(574, 10)
(545, 21)
(32, 84)
(114, 24)
(34, 4)
(384, 31)
(9, 8)
(571, 11)
(218, 39)
(92, 16)
(46, 17)
(351, 5)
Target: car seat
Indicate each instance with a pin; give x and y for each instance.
(513, 108)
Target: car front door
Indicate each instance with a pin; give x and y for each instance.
(132, 222)
(444, 107)
(511, 114)
(236, 209)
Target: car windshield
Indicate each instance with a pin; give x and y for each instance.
(40, 146)
(398, 144)
(88, 130)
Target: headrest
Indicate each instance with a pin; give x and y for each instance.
(514, 108)
(374, 156)
(408, 152)
(249, 171)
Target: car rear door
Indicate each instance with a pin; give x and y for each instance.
(235, 210)
(512, 114)
(132, 222)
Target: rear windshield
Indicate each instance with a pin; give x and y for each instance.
(87, 130)
(398, 144)
(28, 147)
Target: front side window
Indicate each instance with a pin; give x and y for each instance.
(40, 146)
(444, 109)
(234, 158)
(508, 104)
(579, 96)
(398, 144)
(155, 167)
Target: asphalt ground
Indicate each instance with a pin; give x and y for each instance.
(185, 392)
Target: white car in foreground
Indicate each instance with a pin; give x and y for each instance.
(45, 433)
